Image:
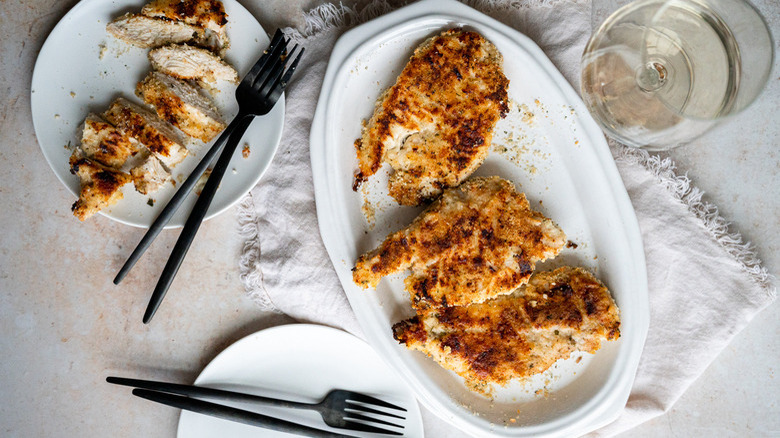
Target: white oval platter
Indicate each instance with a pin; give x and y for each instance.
(553, 151)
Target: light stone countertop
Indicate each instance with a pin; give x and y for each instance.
(66, 327)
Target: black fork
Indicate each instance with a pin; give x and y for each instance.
(339, 408)
(257, 94)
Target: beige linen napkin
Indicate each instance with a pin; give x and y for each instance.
(704, 284)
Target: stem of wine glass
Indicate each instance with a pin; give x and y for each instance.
(651, 76)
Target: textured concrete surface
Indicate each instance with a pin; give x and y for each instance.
(65, 326)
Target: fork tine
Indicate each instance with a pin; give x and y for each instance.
(272, 80)
(355, 416)
(288, 74)
(273, 89)
(275, 77)
(263, 61)
(274, 61)
(367, 399)
(278, 36)
(357, 407)
(361, 427)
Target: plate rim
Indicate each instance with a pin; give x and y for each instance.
(622, 378)
(296, 329)
(38, 75)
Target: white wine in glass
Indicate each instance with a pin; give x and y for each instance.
(658, 73)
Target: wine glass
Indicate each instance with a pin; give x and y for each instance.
(658, 73)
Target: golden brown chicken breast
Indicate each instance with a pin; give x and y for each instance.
(477, 241)
(517, 335)
(145, 126)
(206, 14)
(104, 143)
(434, 126)
(100, 186)
(181, 105)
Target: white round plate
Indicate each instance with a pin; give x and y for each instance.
(82, 69)
(300, 362)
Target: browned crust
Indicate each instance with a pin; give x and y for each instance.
(174, 110)
(114, 149)
(197, 12)
(113, 146)
(478, 240)
(134, 124)
(518, 335)
(448, 97)
(100, 186)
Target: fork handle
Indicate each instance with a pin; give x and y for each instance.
(196, 216)
(234, 414)
(177, 200)
(211, 393)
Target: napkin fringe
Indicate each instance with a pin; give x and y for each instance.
(249, 262)
(682, 190)
(491, 6)
(329, 16)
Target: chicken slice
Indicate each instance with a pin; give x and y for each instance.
(187, 62)
(477, 241)
(149, 176)
(434, 126)
(517, 335)
(147, 32)
(145, 126)
(100, 186)
(106, 144)
(182, 105)
(207, 14)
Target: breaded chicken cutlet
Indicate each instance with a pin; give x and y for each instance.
(145, 126)
(188, 37)
(103, 142)
(181, 105)
(187, 62)
(434, 126)
(147, 32)
(477, 241)
(206, 14)
(518, 335)
(100, 186)
(162, 22)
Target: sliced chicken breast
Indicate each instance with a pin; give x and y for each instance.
(104, 143)
(187, 62)
(182, 105)
(100, 186)
(149, 176)
(207, 14)
(145, 126)
(147, 32)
